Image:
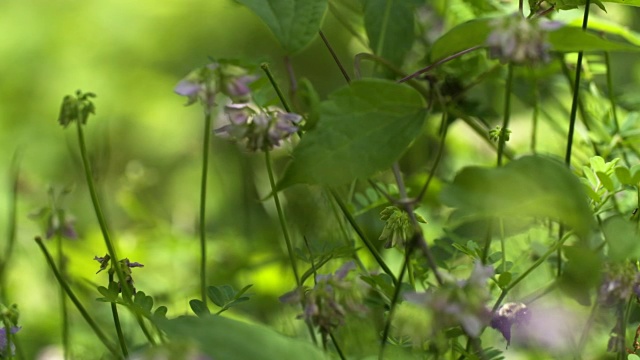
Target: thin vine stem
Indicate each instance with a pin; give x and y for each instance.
(283, 223)
(94, 326)
(99, 214)
(335, 57)
(14, 177)
(116, 322)
(63, 301)
(203, 204)
(533, 266)
(576, 90)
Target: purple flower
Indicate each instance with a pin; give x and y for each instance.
(510, 314)
(4, 339)
(124, 263)
(328, 302)
(518, 40)
(260, 129)
(239, 87)
(206, 82)
(190, 89)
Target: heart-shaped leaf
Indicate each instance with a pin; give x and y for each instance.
(294, 23)
(363, 128)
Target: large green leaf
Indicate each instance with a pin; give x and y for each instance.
(464, 36)
(363, 128)
(609, 27)
(295, 23)
(568, 38)
(389, 25)
(573, 39)
(532, 186)
(222, 338)
(623, 239)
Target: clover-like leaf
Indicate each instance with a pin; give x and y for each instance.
(199, 308)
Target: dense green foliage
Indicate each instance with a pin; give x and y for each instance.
(357, 179)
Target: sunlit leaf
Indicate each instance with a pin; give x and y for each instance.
(363, 129)
(389, 25)
(570, 38)
(294, 23)
(532, 186)
(574, 39)
(221, 338)
(572, 4)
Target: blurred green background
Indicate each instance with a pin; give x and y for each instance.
(147, 151)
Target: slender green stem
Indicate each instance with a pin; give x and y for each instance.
(203, 205)
(439, 62)
(396, 294)
(99, 214)
(116, 322)
(335, 344)
(345, 234)
(507, 113)
(372, 249)
(408, 207)
(283, 223)
(274, 84)
(335, 57)
(533, 266)
(576, 91)
(63, 301)
(96, 329)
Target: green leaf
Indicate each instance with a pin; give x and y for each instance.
(389, 25)
(573, 39)
(568, 38)
(623, 175)
(363, 129)
(294, 23)
(221, 338)
(572, 4)
(622, 238)
(143, 301)
(581, 273)
(242, 291)
(161, 312)
(609, 27)
(531, 186)
(504, 279)
(198, 308)
(605, 180)
(624, 2)
(464, 36)
(216, 295)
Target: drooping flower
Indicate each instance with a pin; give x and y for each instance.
(460, 302)
(206, 82)
(328, 302)
(515, 39)
(510, 314)
(260, 129)
(620, 281)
